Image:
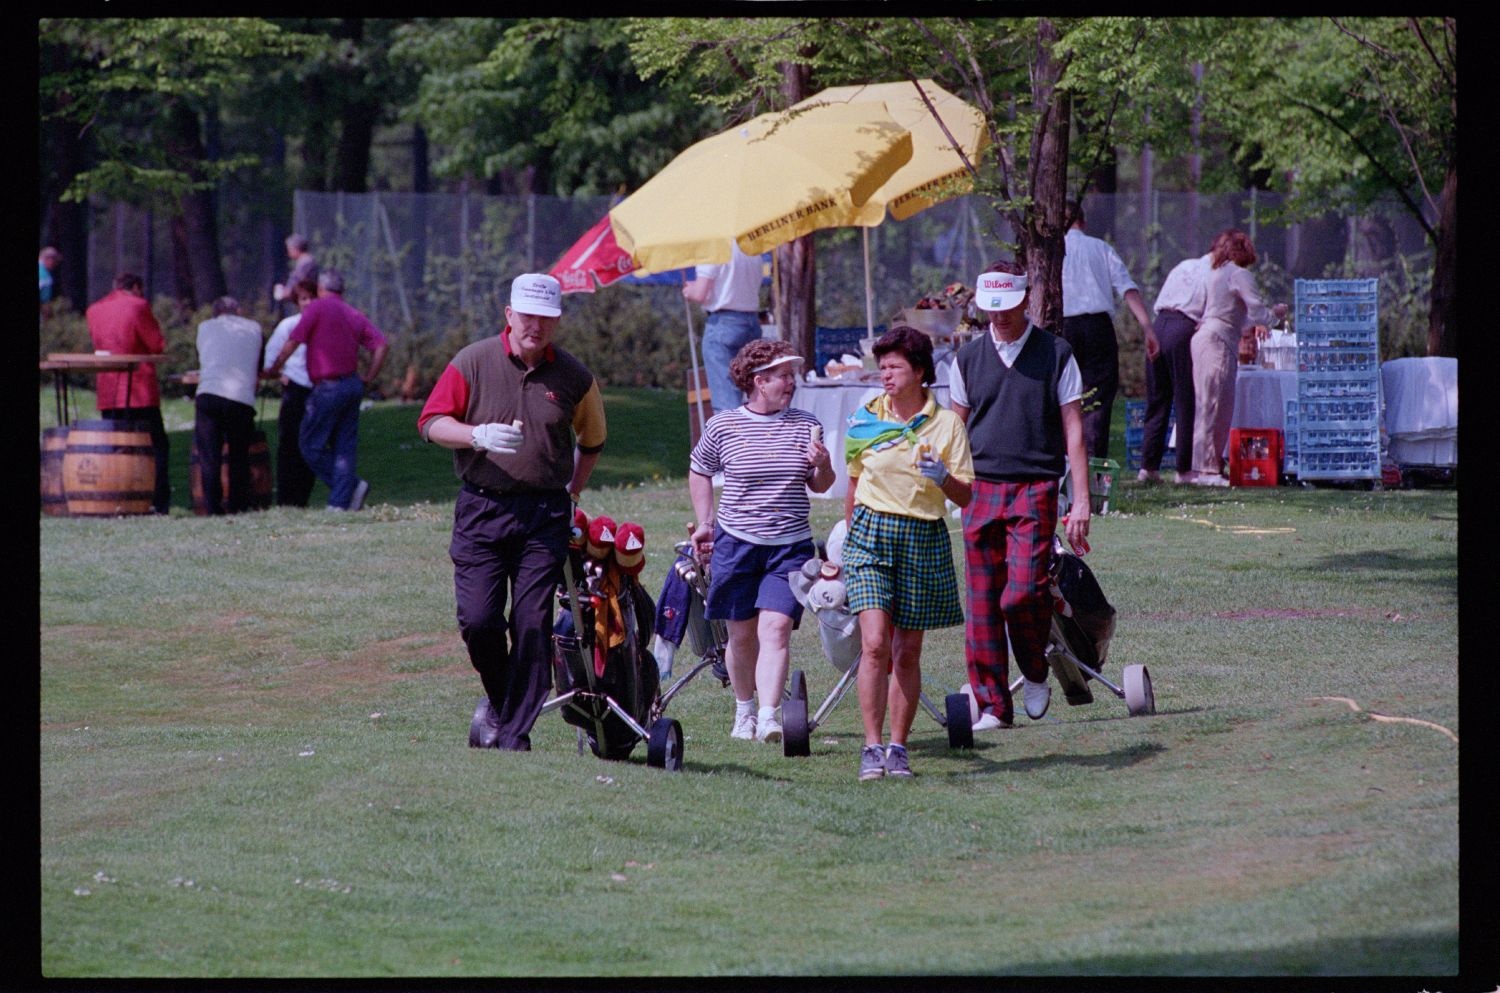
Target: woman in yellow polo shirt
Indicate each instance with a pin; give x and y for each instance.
(907, 457)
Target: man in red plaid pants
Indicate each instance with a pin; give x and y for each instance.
(1019, 392)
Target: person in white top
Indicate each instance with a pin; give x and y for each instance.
(1092, 276)
(1169, 376)
(229, 352)
(294, 478)
(1232, 304)
(730, 293)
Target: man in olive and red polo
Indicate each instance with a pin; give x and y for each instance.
(334, 333)
(525, 421)
(122, 323)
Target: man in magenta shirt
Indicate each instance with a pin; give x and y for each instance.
(334, 333)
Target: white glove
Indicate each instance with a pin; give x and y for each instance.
(932, 467)
(502, 438)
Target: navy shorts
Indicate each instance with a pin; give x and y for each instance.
(745, 578)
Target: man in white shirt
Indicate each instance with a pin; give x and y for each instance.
(1169, 375)
(294, 479)
(229, 350)
(730, 293)
(1093, 275)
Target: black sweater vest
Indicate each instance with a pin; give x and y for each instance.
(1015, 423)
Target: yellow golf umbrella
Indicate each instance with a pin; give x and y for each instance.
(935, 162)
(762, 183)
(935, 171)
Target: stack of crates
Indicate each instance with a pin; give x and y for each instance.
(1135, 436)
(1337, 422)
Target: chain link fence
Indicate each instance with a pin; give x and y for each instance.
(433, 270)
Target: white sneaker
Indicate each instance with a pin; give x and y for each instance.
(744, 728)
(1037, 696)
(1207, 479)
(1148, 476)
(989, 722)
(768, 730)
(1186, 477)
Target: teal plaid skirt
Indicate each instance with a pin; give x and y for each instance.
(903, 566)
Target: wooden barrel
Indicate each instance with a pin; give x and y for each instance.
(54, 497)
(108, 469)
(261, 478)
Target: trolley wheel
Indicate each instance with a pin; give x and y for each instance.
(795, 734)
(1138, 696)
(960, 726)
(664, 747)
(798, 690)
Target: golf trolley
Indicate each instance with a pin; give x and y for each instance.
(1083, 622)
(838, 631)
(611, 692)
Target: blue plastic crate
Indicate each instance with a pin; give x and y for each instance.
(1351, 411)
(1338, 465)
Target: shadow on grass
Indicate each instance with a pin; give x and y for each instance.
(1414, 954)
(1122, 758)
(1436, 569)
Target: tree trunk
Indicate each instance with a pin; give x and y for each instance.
(198, 231)
(796, 292)
(182, 263)
(796, 261)
(1046, 217)
(1442, 324)
(316, 138)
(1320, 243)
(351, 159)
(65, 226)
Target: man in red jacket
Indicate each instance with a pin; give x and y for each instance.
(122, 323)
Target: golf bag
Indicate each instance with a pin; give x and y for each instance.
(618, 667)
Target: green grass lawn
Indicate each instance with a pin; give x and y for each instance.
(253, 762)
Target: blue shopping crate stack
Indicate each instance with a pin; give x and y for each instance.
(1334, 432)
(1135, 436)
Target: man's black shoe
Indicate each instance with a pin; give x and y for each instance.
(484, 729)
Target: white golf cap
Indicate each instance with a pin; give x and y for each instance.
(536, 293)
(779, 360)
(999, 291)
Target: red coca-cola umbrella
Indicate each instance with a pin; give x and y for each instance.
(594, 260)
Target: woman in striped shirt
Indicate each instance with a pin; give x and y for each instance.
(770, 454)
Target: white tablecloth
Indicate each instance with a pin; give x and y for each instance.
(1421, 410)
(1260, 397)
(831, 403)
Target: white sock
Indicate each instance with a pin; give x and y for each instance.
(766, 714)
(742, 708)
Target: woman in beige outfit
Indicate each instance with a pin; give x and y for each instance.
(1233, 304)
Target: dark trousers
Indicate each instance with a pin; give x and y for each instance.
(510, 543)
(329, 437)
(294, 480)
(216, 420)
(161, 497)
(1092, 338)
(1169, 383)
